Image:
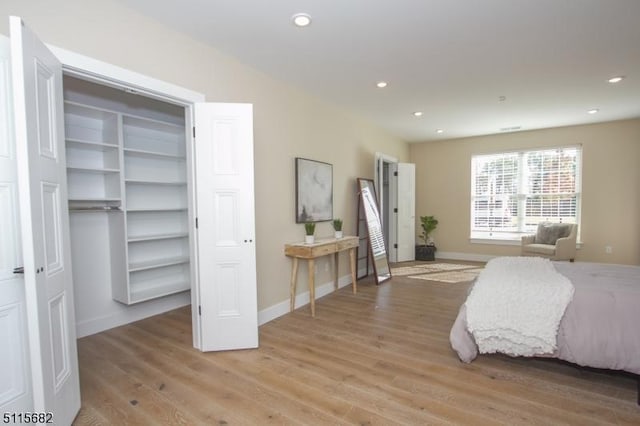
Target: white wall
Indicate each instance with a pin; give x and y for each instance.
(288, 123)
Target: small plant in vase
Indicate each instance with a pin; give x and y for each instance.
(428, 249)
(337, 227)
(309, 229)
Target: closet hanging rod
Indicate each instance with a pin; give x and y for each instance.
(95, 209)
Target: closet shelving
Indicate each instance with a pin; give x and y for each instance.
(135, 169)
(92, 151)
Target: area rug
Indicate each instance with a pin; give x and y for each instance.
(428, 268)
(450, 276)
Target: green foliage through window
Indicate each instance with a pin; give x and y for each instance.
(512, 192)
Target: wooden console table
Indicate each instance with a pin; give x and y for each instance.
(322, 247)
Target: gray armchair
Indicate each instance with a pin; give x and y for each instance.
(556, 241)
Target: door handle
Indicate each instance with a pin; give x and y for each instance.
(18, 270)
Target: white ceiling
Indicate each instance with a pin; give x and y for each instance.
(450, 59)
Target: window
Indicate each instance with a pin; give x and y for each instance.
(512, 192)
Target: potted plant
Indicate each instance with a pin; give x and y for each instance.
(427, 250)
(337, 227)
(310, 229)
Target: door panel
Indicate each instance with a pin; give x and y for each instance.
(39, 131)
(406, 212)
(15, 374)
(51, 206)
(226, 293)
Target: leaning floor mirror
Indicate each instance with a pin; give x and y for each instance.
(377, 248)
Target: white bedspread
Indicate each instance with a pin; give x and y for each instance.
(516, 305)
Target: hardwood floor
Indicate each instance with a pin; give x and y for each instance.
(380, 357)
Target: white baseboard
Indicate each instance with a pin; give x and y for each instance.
(282, 308)
(131, 314)
(464, 256)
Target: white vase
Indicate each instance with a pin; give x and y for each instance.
(309, 239)
(338, 234)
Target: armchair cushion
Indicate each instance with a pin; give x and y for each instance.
(549, 233)
(563, 247)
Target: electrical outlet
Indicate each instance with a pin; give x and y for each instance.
(608, 249)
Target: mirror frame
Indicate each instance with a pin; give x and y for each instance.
(372, 215)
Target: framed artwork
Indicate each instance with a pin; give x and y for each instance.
(314, 191)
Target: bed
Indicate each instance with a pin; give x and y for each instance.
(599, 327)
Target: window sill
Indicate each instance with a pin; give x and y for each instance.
(495, 241)
(506, 242)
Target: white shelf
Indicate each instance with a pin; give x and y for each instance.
(95, 199)
(145, 284)
(116, 161)
(152, 136)
(92, 169)
(158, 263)
(153, 182)
(84, 144)
(90, 124)
(159, 209)
(84, 183)
(165, 289)
(156, 197)
(146, 153)
(95, 204)
(141, 238)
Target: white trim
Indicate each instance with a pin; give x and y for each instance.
(131, 314)
(472, 257)
(495, 241)
(521, 195)
(302, 299)
(110, 75)
(114, 76)
(392, 231)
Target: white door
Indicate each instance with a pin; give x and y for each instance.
(406, 216)
(44, 218)
(227, 293)
(15, 373)
(387, 200)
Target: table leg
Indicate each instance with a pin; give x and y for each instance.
(312, 286)
(352, 259)
(335, 271)
(294, 280)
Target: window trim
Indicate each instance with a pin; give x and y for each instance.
(512, 238)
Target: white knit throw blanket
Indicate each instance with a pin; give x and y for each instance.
(516, 305)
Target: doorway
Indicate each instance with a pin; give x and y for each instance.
(395, 184)
(127, 179)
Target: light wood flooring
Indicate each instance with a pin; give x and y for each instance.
(380, 357)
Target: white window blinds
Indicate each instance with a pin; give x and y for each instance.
(514, 191)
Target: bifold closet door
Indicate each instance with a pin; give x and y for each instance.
(227, 293)
(15, 385)
(39, 133)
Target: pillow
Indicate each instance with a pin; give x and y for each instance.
(564, 229)
(548, 233)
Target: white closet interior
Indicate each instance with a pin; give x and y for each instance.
(128, 192)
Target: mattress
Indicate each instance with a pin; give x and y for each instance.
(600, 327)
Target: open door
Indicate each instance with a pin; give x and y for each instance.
(396, 185)
(15, 386)
(40, 155)
(226, 294)
(406, 212)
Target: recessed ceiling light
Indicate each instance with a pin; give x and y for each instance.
(616, 79)
(593, 111)
(439, 131)
(301, 19)
(381, 84)
(417, 113)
